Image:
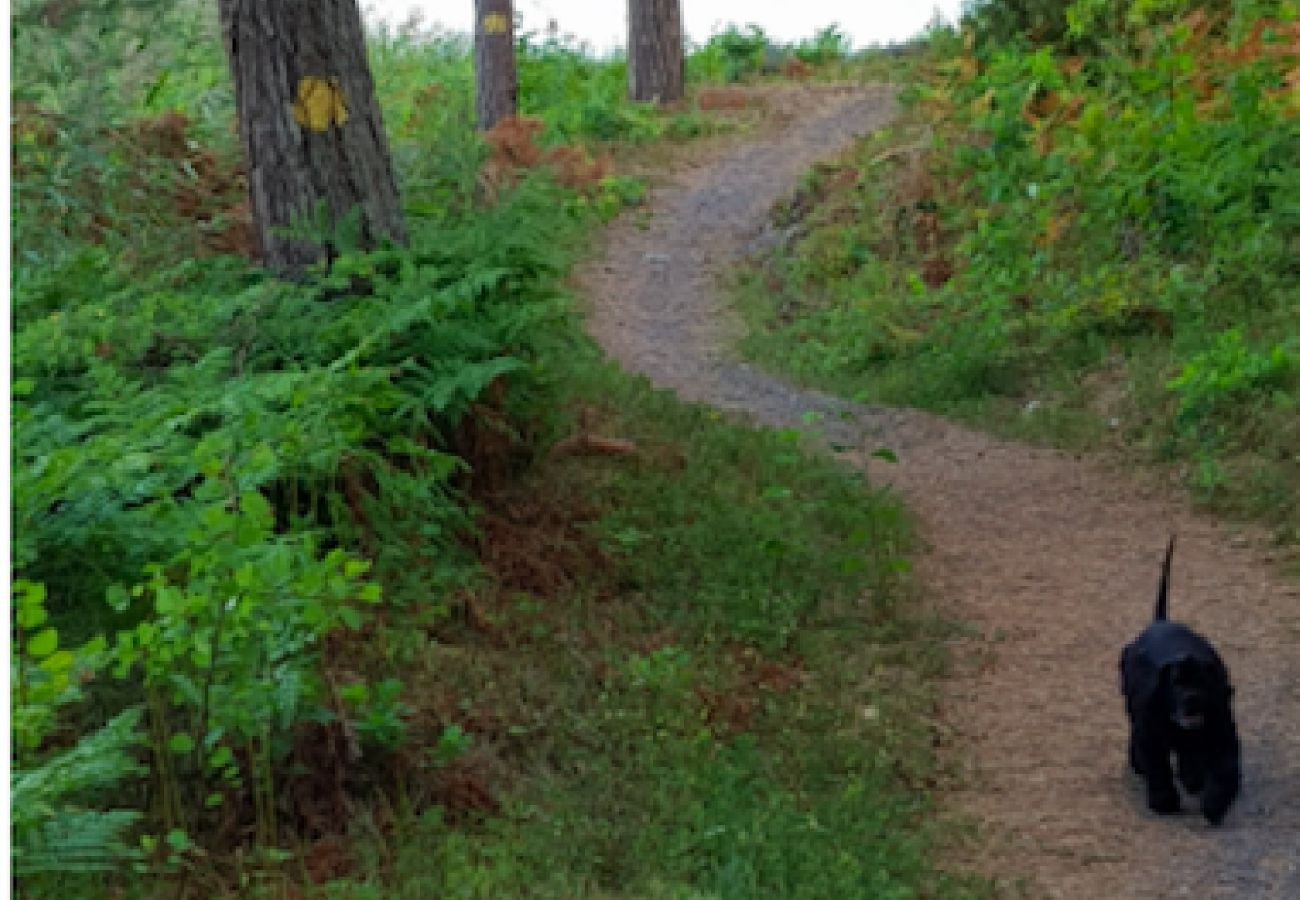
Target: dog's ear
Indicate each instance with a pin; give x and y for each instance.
(1216, 675)
(1143, 682)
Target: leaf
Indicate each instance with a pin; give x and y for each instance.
(58, 661)
(178, 840)
(180, 744)
(221, 757)
(30, 598)
(117, 598)
(257, 508)
(30, 617)
(43, 644)
(350, 618)
(156, 88)
(886, 454)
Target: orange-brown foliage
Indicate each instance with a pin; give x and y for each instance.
(514, 149)
(796, 68)
(711, 99)
(513, 142)
(575, 168)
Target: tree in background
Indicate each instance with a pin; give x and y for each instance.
(312, 130)
(496, 84)
(656, 61)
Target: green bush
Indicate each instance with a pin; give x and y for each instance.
(826, 46)
(1217, 380)
(735, 54)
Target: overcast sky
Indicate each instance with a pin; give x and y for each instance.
(603, 22)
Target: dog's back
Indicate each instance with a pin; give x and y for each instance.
(1164, 642)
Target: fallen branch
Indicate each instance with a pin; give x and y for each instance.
(595, 445)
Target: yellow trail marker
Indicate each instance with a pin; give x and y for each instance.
(496, 23)
(319, 104)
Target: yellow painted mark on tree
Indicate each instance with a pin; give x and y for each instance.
(496, 23)
(320, 104)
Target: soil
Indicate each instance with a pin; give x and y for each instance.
(1051, 559)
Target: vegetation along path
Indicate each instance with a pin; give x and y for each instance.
(1051, 560)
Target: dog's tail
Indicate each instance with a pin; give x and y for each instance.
(1162, 598)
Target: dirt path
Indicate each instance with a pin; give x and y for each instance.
(1054, 561)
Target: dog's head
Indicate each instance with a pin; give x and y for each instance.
(1193, 688)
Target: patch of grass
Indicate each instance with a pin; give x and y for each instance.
(734, 707)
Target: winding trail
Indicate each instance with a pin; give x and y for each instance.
(1052, 560)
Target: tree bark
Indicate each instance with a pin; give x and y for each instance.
(311, 127)
(656, 61)
(495, 79)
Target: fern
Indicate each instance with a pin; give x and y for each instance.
(53, 830)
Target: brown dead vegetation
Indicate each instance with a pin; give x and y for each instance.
(514, 152)
(731, 710)
(796, 69)
(719, 99)
(172, 178)
(535, 547)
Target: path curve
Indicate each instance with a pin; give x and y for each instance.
(1053, 560)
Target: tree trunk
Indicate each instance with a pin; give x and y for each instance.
(656, 62)
(496, 84)
(312, 131)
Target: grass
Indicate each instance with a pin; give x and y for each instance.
(735, 705)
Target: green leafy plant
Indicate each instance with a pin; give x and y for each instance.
(1228, 373)
(830, 44)
(56, 825)
(739, 53)
(377, 712)
(226, 648)
(55, 832)
(452, 744)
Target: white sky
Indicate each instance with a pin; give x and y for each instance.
(603, 22)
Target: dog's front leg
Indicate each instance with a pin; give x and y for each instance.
(1223, 781)
(1134, 754)
(1151, 758)
(1192, 768)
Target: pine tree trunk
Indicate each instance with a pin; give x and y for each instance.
(311, 127)
(656, 61)
(496, 84)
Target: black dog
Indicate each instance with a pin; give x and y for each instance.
(1178, 698)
